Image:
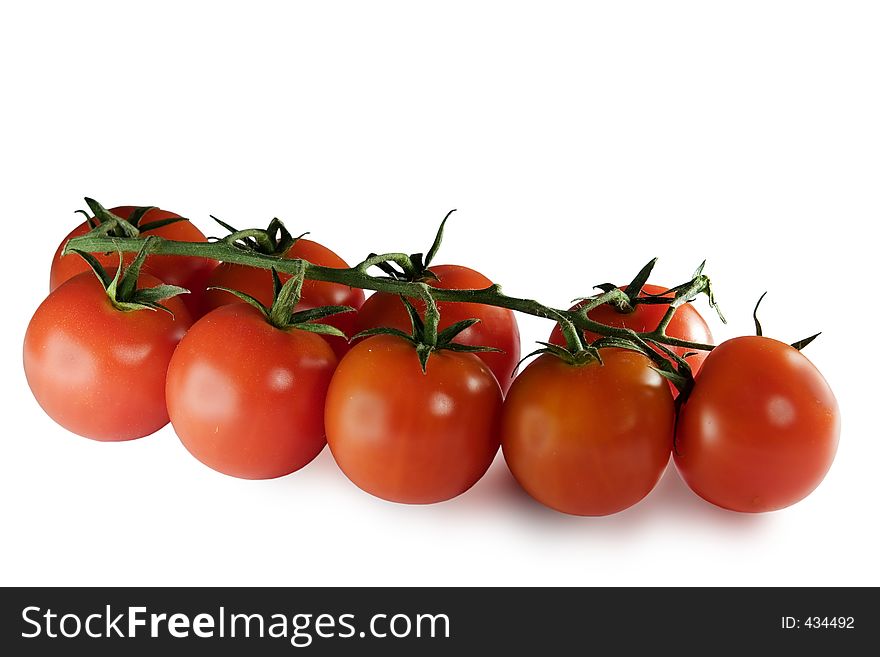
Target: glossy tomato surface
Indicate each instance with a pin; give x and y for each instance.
(408, 436)
(760, 429)
(592, 439)
(497, 327)
(258, 284)
(99, 371)
(687, 324)
(246, 398)
(191, 273)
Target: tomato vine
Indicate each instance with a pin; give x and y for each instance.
(249, 247)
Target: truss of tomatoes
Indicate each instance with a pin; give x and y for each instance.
(256, 373)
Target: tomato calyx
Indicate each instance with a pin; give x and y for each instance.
(759, 331)
(282, 314)
(105, 223)
(415, 267)
(625, 301)
(424, 335)
(275, 240)
(122, 288)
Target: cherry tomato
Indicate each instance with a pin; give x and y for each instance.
(590, 439)
(760, 428)
(687, 324)
(258, 284)
(497, 327)
(99, 371)
(185, 271)
(246, 398)
(408, 436)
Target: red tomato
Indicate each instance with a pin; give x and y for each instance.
(497, 327)
(760, 428)
(687, 324)
(99, 371)
(408, 436)
(185, 271)
(591, 439)
(246, 398)
(258, 284)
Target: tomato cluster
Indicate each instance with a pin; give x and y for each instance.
(256, 372)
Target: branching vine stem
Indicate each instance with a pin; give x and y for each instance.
(359, 277)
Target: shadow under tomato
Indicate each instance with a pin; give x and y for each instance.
(498, 496)
(671, 501)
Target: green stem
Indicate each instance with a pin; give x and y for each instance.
(432, 314)
(357, 277)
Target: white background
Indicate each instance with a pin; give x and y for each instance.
(577, 141)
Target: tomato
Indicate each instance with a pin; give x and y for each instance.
(247, 398)
(258, 284)
(497, 327)
(99, 371)
(687, 324)
(185, 271)
(589, 439)
(408, 436)
(760, 428)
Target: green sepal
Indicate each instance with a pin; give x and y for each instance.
(428, 275)
(678, 380)
(275, 240)
(96, 267)
(438, 240)
(108, 223)
(320, 312)
(250, 242)
(413, 267)
(159, 223)
(89, 219)
(613, 342)
(418, 326)
(322, 329)
(382, 330)
(244, 296)
(453, 330)
(282, 313)
(681, 376)
(159, 293)
(417, 262)
(588, 354)
(800, 344)
(137, 214)
(281, 237)
(468, 348)
(387, 268)
(710, 292)
(122, 289)
(416, 337)
(634, 289)
(759, 331)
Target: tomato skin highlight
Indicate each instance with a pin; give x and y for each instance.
(588, 440)
(246, 398)
(760, 429)
(497, 327)
(407, 436)
(258, 284)
(687, 324)
(185, 271)
(98, 371)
